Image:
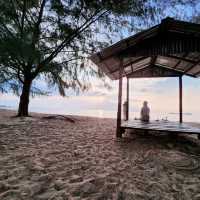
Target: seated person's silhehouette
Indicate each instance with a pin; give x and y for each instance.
(145, 111)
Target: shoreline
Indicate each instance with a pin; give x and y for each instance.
(14, 111)
(40, 113)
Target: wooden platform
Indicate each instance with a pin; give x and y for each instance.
(164, 126)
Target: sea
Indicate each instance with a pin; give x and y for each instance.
(94, 107)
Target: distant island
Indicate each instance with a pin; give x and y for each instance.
(173, 113)
(4, 106)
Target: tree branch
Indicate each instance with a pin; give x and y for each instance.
(77, 32)
(37, 31)
(23, 17)
(37, 25)
(19, 77)
(7, 29)
(17, 16)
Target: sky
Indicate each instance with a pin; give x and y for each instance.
(161, 93)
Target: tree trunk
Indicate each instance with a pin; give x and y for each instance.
(24, 99)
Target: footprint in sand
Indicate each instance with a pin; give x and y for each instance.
(179, 160)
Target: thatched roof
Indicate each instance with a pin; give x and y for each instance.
(171, 48)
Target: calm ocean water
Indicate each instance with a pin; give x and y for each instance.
(83, 107)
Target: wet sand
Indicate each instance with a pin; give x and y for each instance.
(54, 159)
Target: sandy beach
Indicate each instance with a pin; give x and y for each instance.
(55, 159)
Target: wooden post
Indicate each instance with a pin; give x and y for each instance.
(180, 100)
(127, 99)
(119, 131)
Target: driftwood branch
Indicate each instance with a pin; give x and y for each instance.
(60, 117)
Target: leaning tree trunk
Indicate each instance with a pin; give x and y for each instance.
(24, 99)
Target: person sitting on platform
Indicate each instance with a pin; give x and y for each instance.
(145, 111)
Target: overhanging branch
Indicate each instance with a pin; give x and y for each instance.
(77, 32)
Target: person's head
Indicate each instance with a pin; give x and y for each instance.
(145, 103)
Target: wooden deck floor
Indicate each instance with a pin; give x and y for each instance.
(166, 126)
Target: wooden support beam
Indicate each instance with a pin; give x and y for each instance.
(130, 63)
(159, 71)
(119, 111)
(181, 58)
(180, 100)
(191, 67)
(177, 64)
(153, 61)
(127, 99)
